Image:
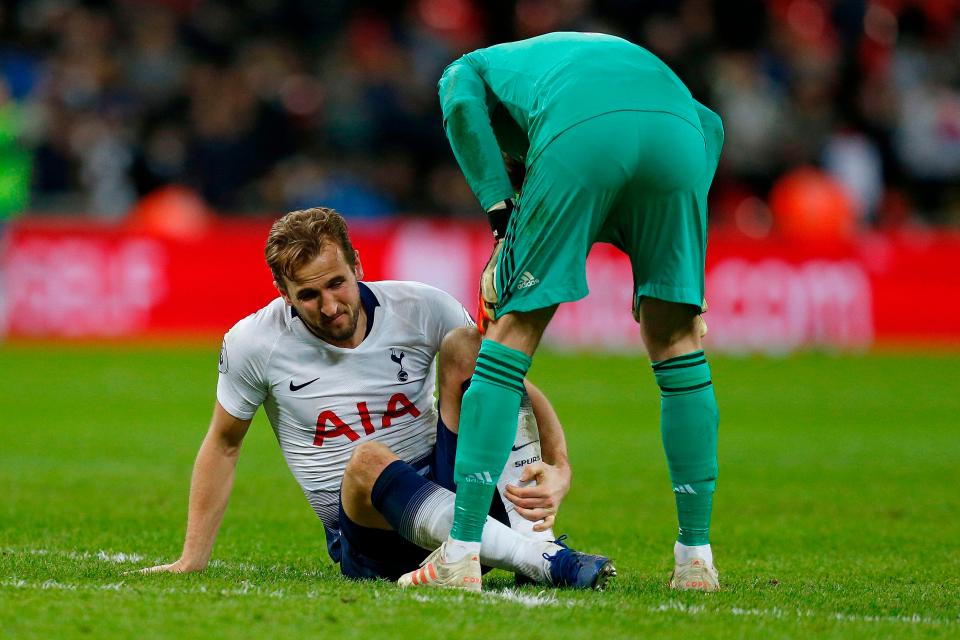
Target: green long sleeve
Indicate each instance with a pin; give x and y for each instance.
(466, 120)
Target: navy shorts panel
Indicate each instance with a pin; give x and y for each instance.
(369, 554)
(444, 456)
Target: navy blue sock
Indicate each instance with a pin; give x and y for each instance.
(398, 494)
(410, 503)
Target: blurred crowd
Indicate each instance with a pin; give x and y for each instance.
(263, 106)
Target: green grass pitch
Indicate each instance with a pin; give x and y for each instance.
(837, 512)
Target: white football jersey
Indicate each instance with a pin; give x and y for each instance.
(323, 400)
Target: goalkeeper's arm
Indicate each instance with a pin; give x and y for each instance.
(466, 119)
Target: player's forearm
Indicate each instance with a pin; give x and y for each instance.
(463, 99)
(553, 443)
(210, 488)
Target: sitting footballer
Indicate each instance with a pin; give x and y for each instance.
(345, 371)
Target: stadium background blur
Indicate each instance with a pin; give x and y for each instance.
(180, 120)
(267, 106)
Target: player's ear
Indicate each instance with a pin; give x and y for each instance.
(282, 291)
(357, 267)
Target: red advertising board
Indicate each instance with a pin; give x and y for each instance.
(61, 279)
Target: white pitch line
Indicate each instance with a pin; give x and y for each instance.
(120, 557)
(246, 589)
(782, 614)
(103, 556)
(541, 599)
(489, 597)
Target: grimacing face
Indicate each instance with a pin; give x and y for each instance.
(327, 297)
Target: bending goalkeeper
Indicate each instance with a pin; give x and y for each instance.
(616, 150)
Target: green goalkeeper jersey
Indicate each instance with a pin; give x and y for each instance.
(517, 97)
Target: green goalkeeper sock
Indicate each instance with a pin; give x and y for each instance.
(688, 424)
(488, 426)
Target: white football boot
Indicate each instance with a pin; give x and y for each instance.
(695, 575)
(437, 572)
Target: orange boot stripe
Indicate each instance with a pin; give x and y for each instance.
(433, 572)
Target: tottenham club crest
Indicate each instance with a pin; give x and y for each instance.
(397, 356)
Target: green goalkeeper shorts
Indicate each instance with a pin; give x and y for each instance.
(635, 179)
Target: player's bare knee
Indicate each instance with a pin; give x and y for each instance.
(368, 461)
(458, 355)
(371, 455)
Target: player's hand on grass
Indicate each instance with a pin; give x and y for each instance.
(539, 502)
(180, 566)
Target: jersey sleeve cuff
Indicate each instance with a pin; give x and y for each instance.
(233, 409)
(498, 196)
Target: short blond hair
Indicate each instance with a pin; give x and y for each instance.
(299, 236)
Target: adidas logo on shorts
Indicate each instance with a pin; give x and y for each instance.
(527, 279)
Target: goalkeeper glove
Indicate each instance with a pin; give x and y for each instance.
(499, 217)
(488, 297)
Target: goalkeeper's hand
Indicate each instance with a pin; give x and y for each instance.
(499, 217)
(488, 296)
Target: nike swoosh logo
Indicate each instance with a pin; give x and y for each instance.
(297, 387)
(523, 445)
